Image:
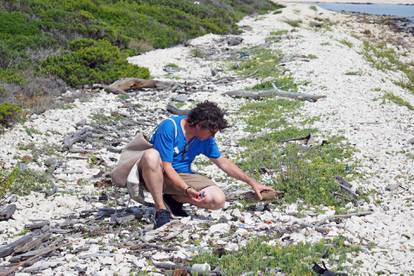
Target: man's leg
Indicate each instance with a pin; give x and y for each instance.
(214, 198)
(150, 165)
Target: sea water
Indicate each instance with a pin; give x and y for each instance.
(406, 11)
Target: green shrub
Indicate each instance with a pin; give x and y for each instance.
(6, 181)
(27, 181)
(295, 259)
(92, 62)
(264, 64)
(301, 173)
(9, 113)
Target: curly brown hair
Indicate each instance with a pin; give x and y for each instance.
(208, 115)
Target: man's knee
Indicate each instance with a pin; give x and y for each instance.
(216, 199)
(150, 159)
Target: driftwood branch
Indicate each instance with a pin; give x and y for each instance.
(8, 249)
(123, 85)
(304, 140)
(176, 111)
(273, 92)
(33, 257)
(343, 216)
(346, 186)
(323, 221)
(78, 136)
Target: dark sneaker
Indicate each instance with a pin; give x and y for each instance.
(175, 207)
(162, 217)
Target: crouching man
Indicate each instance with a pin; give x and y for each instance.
(165, 169)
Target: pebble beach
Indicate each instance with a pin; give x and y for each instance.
(381, 131)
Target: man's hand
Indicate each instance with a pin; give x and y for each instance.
(194, 195)
(259, 188)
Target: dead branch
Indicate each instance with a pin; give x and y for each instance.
(141, 246)
(273, 92)
(8, 249)
(343, 216)
(78, 136)
(345, 186)
(305, 140)
(123, 85)
(35, 255)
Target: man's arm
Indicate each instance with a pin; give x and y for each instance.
(234, 171)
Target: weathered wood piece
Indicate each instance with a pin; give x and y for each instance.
(122, 85)
(7, 211)
(76, 137)
(37, 224)
(176, 111)
(34, 243)
(273, 92)
(8, 249)
(144, 245)
(304, 140)
(343, 216)
(250, 195)
(345, 186)
(32, 257)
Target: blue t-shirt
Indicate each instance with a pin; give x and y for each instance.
(175, 150)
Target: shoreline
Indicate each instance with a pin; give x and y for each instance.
(369, 2)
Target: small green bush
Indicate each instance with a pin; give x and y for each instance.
(257, 257)
(92, 62)
(264, 64)
(9, 113)
(6, 181)
(27, 181)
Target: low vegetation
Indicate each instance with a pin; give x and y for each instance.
(276, 36)
(354, 73)
(264, 64)
(302, 172)
(293, 23)
(91, 61)
(384, 58)
(296, 259)
(23, 182)
(346, 43)
(388, 96)
(8, 113)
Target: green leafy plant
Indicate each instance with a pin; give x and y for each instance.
(296, 259)
(302, 172)
(264, 64)
(94, 62)
(6, 180)
(384, 58)
(9, 113)
(28, 181)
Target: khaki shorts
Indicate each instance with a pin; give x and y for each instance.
(196, 181)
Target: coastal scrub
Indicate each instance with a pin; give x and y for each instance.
(263, 63)
(296, 259)
(303, 172)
